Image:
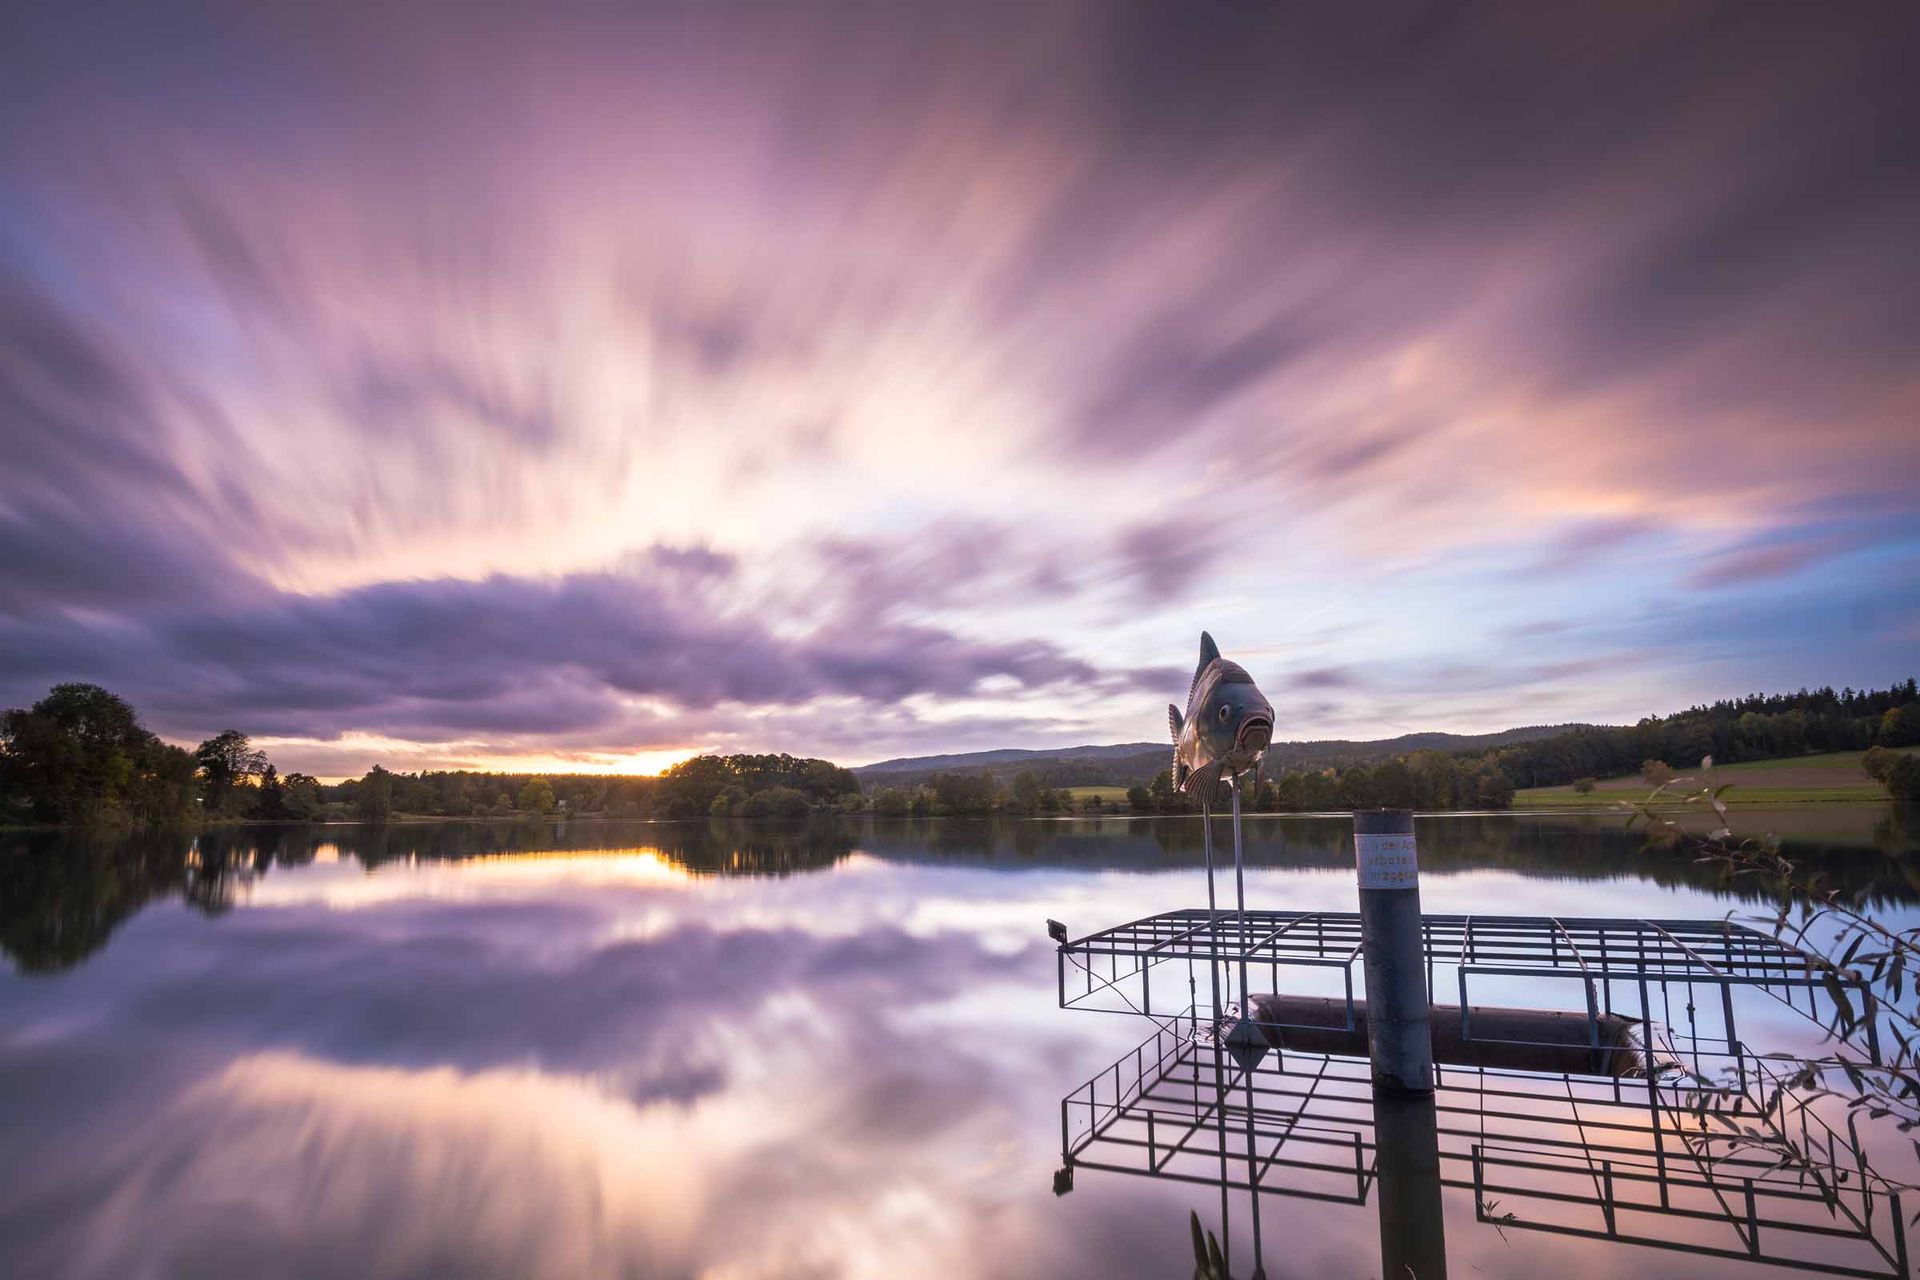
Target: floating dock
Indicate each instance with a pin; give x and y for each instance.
(1634, 1161)
(1689, 976)
(1589, 1076)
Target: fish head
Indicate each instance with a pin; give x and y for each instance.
(1235, 721)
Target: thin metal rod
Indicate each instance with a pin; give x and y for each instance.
(1213, 936)
(1240, 901)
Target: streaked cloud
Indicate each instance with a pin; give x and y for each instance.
(620, 381)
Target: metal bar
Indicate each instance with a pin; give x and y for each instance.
(1239, 895)
(1593, 1010)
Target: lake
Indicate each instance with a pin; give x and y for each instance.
(630, 1049)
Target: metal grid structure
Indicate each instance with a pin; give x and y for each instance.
(1650, 967)
(1626, 1160)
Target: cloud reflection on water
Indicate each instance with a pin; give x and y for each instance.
(604, 1064)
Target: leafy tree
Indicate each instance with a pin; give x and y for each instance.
(272, 803)
(777, 802)
(1903, 779)
(374, 799)
(1656, 773)
(1897, 771)
(689, 788)
(1900, 726)
(228, 765)
(1492, 788)
(1392, 785)
(1583, 786)
(965, 793)
(1139, 799)
(80, 755)
(161, 790)
(301, 793)
(890, 803)
(1878, 762)
(537, 796)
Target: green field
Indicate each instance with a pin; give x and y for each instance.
(1836, 778)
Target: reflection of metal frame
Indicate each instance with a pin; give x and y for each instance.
(1627, 1160)
(1644, 956)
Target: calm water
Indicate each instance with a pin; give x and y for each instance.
(670, 1050)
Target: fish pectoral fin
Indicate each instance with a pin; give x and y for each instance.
(1173, 721)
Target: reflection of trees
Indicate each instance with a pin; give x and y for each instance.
(61, 897)
(727, 848)
(1579, 847)
(715, 847)
(62, 894)
(1898, 833)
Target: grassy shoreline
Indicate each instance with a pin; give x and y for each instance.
(1831, 778)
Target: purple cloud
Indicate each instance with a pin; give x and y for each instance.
(592, 377)
(1758, 563)
(512, 656)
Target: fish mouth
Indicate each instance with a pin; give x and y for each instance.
(1255, 733)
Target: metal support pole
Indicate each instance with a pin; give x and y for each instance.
(1213, 934)
(1240, 904)
(1399, 1039)
(1413, 1220)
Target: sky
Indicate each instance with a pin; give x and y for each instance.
(580, 387)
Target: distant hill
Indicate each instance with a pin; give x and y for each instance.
(1123, 764)
(1008, 755)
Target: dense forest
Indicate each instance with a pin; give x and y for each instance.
(1759, 727)
(1137, 762)
(80, 756)
(740, 786)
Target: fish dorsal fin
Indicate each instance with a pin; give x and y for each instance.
(1173, 721)
(1208, 652)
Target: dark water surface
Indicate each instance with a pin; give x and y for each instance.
(613, 1049)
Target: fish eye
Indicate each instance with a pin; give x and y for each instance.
(1224, 713)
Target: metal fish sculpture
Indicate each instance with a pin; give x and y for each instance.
(1227, 726)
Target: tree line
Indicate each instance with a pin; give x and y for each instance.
(731, 786)
(1757, 727)
(1428, 780)
(80, 756)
